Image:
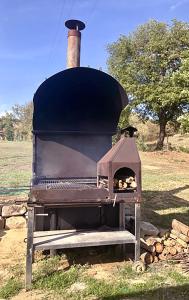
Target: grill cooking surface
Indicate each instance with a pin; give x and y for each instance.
(54, 184)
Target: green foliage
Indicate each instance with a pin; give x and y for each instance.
(7, 125)
(23, 116)
(184, 123)
(11, 288)
(17, 125)
(152, 64)
(47, 267)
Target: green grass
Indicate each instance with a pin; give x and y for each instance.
(15, 168)
(11, 288)
(158, 281)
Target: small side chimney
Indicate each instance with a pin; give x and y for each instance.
(74, 42)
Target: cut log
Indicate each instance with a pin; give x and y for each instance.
(181, 242)
(144, 245)
(151, 240)
(124, 185)
(156, 259)
(159, 247)
(147, 258)
(169, 256)
(163, 255)
(179, 248)
(169, 242)
(180, 235)
(133, 184)
(180, 227)
(173, 250)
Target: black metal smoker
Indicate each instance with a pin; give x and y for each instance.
(76, 112)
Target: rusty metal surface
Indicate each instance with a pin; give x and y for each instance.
(123, 156)
(73, 50)
(72, 195)
(74, 42)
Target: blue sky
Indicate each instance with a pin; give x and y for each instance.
(33, 38)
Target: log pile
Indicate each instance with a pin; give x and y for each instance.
(167, 245)
(127, 183)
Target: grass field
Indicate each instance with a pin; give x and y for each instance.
(165, 177)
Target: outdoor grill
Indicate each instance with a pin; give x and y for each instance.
(80, 182)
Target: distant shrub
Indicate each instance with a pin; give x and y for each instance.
(184, 149)
(184, 123)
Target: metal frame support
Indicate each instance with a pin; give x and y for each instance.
(53, 227)
(137, 231)
(122, 227)
(122, 216)
(29, 253)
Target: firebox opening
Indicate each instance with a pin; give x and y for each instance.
(125, 181)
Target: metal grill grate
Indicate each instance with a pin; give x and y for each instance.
(68, 183)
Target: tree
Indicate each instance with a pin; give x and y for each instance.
(7, 125)
(152, 64)
(23, 116)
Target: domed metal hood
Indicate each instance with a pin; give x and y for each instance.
(79, 100)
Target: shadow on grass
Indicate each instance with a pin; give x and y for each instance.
(97, 255)
(14, 191)
(162, 293)
(169, 205)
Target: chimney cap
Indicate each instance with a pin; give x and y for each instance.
(75, 24)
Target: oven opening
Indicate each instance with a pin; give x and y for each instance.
(125, 181)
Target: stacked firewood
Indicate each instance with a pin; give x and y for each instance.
(167, 245)
(127, 183)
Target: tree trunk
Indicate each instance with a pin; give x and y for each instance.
(162, 133)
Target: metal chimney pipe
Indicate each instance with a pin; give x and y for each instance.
(74, 42)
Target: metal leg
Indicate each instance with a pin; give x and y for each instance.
(122, 216)
(137, 231)
(122, 225)
(29, 254)
(53, 227)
